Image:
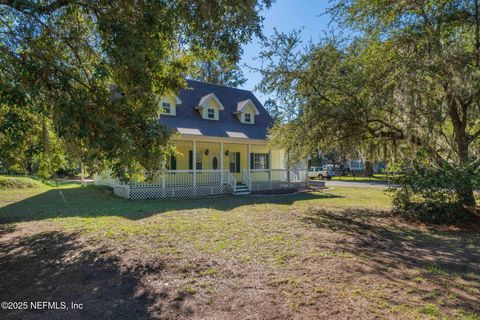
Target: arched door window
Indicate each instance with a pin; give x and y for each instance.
(215, 163)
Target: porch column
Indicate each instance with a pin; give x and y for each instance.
(248, 158)
(269, 164)
(306, 172)
(288, 170)
(221, 163)
(194, 165)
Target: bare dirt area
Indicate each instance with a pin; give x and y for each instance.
(307, 256)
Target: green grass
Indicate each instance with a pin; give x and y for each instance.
(341, 245)
(375, 178)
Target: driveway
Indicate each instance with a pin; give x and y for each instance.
(360, 184)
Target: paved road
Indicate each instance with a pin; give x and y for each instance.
(361, 184)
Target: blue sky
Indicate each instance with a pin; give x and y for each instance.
(285, 16)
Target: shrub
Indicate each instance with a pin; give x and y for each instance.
(427, 192)
(17, 183)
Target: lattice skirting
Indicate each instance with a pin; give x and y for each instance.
(275, 185)
(121, 190)
(178, 192)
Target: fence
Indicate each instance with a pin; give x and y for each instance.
(275, 179)
(174, 184)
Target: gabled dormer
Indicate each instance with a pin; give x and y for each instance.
(209, 107)
(168, 105)
(246, 111)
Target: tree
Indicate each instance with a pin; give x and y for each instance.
(94, 69)
(407, 83)
(219, 70)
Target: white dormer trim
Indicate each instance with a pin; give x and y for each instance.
(173, 100)
(177, 99)
(243, 104)
(206, 99)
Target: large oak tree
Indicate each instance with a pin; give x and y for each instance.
(94, 69)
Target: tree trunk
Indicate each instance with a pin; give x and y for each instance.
(464, 189)
(368, 168)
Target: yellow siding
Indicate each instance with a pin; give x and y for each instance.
(278, 159)
(173, 103)
(214, 150)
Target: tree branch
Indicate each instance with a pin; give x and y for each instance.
(26, 6)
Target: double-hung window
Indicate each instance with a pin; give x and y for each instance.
(234, 162)
(210, 113)
(248, 118)
(259, 161)
(167, 108)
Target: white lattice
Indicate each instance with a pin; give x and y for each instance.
(179, 192)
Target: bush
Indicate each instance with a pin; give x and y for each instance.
(427, 192)
(18, 183)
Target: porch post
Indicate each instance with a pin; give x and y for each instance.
(288, 170)
(248, 158)
(306, 172)
(221, 163)
(194, 166)
(269, 164)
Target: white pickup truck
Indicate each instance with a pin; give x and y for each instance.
(325, 172)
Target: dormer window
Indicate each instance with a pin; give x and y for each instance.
(167, 108)
(210, 107)
(246, 111)
(211, 113)
(168, 105)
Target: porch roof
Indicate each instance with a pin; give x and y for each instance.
(189, 121)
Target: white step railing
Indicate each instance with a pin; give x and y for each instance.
(247, 179)
(231, 181)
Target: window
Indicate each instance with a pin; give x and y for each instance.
(234, 162)
(248, 117)
(211, 113)
(199, 160)
(172, 164)
(198, 164)
(167, 108)
(259, 160)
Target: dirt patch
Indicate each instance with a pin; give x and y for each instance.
(58, 267)
(253, 259)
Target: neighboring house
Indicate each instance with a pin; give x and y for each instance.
(220, 135)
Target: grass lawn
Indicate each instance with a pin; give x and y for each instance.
(375, 178)
(335, 254)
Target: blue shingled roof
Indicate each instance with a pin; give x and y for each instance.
(228, 124)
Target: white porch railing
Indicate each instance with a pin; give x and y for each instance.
(182, 178)
(174, 184)
(270, 179)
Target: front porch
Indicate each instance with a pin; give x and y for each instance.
(205, 168)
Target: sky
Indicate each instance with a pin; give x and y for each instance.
(285, 16)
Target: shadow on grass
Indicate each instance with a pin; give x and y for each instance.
(99, 201)
(54, 267)
(392, 252)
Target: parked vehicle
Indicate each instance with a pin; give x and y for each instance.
(325, 172)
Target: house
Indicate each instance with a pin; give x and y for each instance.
(220, 134)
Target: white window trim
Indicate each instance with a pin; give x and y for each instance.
(213, 113)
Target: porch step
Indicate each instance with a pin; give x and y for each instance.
(241, 189)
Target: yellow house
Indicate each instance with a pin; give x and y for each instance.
(220, 134)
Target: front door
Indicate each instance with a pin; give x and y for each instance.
(215, 162)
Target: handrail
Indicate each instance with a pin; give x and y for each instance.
(247, 179)
(231, 180)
